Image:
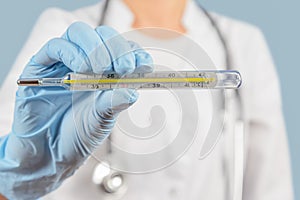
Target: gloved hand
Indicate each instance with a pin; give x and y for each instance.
(54, 129)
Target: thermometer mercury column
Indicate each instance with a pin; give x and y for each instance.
(212, 79)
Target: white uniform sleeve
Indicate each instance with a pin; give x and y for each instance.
(52, 23)
(267, 171)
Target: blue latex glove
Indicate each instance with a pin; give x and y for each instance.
(55, 130)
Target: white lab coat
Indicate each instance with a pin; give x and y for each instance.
(267, 170)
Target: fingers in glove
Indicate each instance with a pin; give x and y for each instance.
(121, 55)
(89, 41)
(143, 60)
(57, 50)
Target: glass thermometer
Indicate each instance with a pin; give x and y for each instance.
(204, 79)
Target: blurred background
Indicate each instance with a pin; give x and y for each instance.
(277, 19)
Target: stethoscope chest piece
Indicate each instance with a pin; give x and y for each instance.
(109, 180)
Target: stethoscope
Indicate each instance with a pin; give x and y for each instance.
(112, 181)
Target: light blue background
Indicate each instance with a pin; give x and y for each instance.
(277, 19)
